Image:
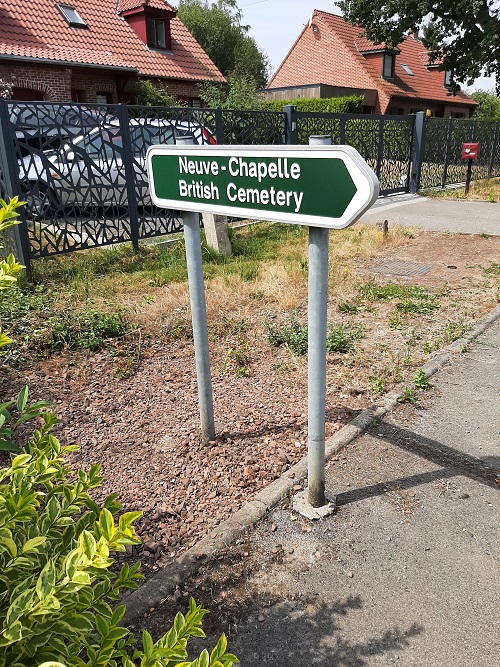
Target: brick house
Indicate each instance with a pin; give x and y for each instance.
(95, 50)
(330, 59)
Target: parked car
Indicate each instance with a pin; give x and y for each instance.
(48, 126)
(88, 172)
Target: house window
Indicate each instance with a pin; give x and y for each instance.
(77, 95)
(104, 98)
(388, 65)
(72, 17)
(158, 32)
(447, 79)
(407, 69)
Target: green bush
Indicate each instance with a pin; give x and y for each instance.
(351, 104)
(57, 593)
(154, 94)
(9, 266)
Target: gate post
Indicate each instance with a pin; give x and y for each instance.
(128, 161)
(219, 127)
(447, 152)
(290, 124)
(17, 239)
(493, 149)
(418, 151)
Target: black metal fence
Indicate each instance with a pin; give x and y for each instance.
(385, 142)
(442, 163)
(81, 168)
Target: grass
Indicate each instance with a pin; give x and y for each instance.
(114, 298)
(483, 190)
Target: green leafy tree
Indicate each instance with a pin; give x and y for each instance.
(488, 105)
(466, 33)
(239, 93)
(217, 27)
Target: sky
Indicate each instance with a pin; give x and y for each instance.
(276, 24)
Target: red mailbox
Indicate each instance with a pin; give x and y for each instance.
(470, 151)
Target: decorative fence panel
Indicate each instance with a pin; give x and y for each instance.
(385, 142)
(442, 162)
(81, 168)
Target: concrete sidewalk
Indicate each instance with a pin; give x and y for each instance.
(407, 572)
(465, 217)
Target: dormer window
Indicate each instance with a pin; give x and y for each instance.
(73, 18)
(388, 61)
(158, 33)
(447, 79)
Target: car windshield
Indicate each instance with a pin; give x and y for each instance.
(106, 143)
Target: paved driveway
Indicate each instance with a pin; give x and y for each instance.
(465, 217)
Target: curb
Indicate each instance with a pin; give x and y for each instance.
(157, 589)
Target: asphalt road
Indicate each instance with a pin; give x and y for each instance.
(407, 572)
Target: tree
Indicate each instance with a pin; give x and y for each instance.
(488, 105)
(240, 93)
(217, 28)
(465, 36)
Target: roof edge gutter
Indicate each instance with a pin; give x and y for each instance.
(51, 61)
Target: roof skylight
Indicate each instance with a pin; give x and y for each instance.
(407, 69)
(72, 17)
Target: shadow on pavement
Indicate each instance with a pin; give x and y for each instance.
(295, 638)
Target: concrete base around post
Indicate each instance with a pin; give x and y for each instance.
(217, 233)
(302, 506)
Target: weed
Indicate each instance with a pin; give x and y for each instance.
(407, 396)
(291, 334)
(378, 385)
(125, 368)
(348, 308)
(453, 331)
(422, 306)
(426, 347)
(95, 326)
(493, 270)
(236, 358)
(491, 199)
(395, 322)
(407, 232)
(413, 337)
(393, 291)
(177, 329)
(484, 235)
(420, 379)
(342, 338)
(258, 296)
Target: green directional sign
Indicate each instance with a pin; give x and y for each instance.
(322, 186)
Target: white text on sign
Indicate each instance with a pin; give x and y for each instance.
(280, 168)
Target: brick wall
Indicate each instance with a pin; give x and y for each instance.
(57, 83)
(91, 82)
(54, 82)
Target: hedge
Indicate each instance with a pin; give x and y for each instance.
(352, 104)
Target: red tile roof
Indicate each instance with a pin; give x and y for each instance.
(328, 51)
(125, 5)
(35, 29)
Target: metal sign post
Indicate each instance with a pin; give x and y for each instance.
(199, 317)
(317, 300)
(321, 186)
